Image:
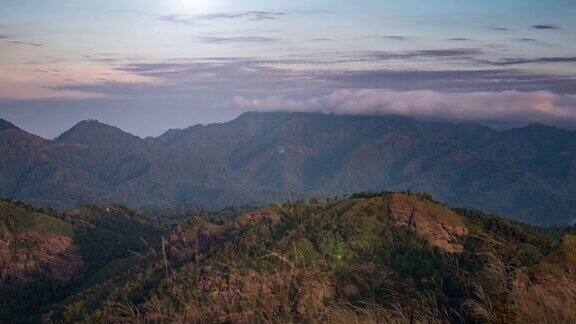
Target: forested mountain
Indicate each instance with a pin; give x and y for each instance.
(389, 257)
(525, 173)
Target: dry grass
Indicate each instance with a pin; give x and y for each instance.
(546, 293)
(490, 302)
(546, 302)
(288, 295)
(288, 289)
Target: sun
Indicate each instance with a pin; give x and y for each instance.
(195, 6)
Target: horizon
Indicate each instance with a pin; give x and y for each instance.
(146, 66)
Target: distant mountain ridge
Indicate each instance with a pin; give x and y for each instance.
(93, 133)
(527, 173)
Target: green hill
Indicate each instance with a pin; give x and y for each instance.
(17, 219)
(370, 258)
(387, 257)
(46, 256)
(32, 243)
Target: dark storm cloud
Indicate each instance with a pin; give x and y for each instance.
(549, 27)
(237, 39)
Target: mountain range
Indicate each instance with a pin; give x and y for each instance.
(526, 173)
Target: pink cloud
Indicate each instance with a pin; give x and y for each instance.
(472, 106)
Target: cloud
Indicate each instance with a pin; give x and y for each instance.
(546, 27)
(527, 40)
(229, 76)
(495, 28)
(539, 60)
(321, 40)
(237, 39)
(25, 43)
(459, 39)
(455, 80)
(188, 77)
(458, 52)
(101, 59)
(117, 88)
(338, 58)
(253, 15)
(506, 106)
(247, 15)
(312, 11)
(393, 37)
(9, 39)
(435, 54)
(180, 19)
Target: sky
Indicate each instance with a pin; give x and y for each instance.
(147, 66)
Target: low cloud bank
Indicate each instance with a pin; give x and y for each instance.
(505, 106)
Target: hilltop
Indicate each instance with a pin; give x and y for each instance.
(369, 258)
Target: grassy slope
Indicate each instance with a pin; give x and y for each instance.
(20, 219)
(23, 301)
(343, 260)
(107, 242)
